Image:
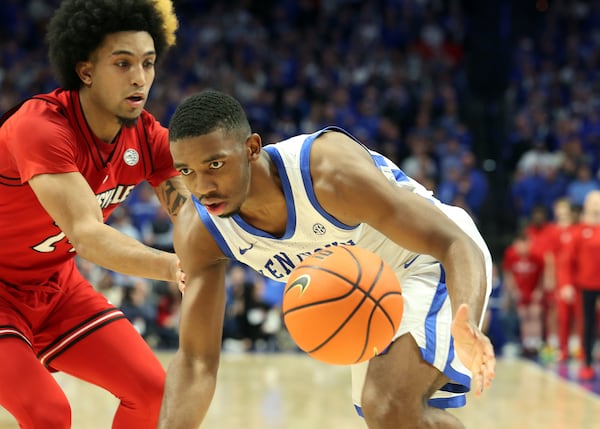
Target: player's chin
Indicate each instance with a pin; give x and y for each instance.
(128, 122)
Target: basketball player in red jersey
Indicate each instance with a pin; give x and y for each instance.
(67, 159)
(584, 274)
(540, 232)
(559, 236)
(523, 270)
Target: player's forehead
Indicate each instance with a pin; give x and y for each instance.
(126, 43)
(204, 148)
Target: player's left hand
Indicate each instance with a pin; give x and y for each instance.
(180, 278)
(474, 350)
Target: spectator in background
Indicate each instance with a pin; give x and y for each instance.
(583, 183)
(236, 328)
(142, 206)
(420, 164)
(584, 274)
(554, 185)
(167, 317)
(137, 308)
(494, 326)
(522, 272)
(158, 232)
(473, 185)
(560, 236)
(121, 221)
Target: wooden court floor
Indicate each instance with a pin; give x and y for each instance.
(292, 391)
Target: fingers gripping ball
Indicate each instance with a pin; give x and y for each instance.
(342, 305)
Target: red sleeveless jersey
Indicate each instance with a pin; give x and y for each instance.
(49, 134)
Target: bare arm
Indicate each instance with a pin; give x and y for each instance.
(69, 200)
(172, 194)
(191, 376)
(354, 191)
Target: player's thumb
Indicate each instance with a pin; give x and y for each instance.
(462, 314)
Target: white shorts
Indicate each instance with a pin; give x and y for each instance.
(428, 317)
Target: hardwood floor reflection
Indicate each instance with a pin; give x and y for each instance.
(296, 392)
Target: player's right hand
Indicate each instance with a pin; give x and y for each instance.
(474, 349)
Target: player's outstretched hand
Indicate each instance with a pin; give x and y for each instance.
(474, 349)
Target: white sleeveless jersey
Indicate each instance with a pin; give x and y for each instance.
(309, 228)
(427, 312)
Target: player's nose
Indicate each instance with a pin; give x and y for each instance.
(204, 185)
(139, 76)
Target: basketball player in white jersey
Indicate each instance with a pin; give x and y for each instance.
(271, 206)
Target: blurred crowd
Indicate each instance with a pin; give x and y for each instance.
(494, 105)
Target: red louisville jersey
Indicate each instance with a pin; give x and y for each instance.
(582, 257)
(49, 134)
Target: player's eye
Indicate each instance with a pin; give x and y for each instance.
(185, 171)
(214, 165)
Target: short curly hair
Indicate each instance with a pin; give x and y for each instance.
(79, 27)
(208, 111)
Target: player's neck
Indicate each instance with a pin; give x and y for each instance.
(103, 124)
(265, 208)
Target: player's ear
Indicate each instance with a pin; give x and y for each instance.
(254, 146)
(84, 71)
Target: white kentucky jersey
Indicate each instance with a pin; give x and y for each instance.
(309, 227)
(427, 312)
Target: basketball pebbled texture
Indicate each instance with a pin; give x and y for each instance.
(342, 305)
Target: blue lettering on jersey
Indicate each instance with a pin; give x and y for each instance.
(281, 265)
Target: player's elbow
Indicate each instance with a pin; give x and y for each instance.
(84, 239)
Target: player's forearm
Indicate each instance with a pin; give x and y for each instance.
(466, 276)
(111, 249)
(189, 390)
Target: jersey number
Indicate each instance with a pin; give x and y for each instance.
(49, 244)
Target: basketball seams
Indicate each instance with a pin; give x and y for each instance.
(384, 310)
(366, 296)
(376, 306)
(328, 271)
(366, 329)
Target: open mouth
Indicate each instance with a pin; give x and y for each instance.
(135, 100)
(215, 209)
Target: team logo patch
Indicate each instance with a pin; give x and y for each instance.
(131, 157)
(319, 229)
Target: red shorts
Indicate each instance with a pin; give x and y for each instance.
(51, 317)
(526, 295)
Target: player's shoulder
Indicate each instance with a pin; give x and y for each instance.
(335, 151)
(39, 118)
(41, 107)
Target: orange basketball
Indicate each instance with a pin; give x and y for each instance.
(342, 305)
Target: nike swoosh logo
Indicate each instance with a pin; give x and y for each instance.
(242, 251)
(301, 282)
(409, 263)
